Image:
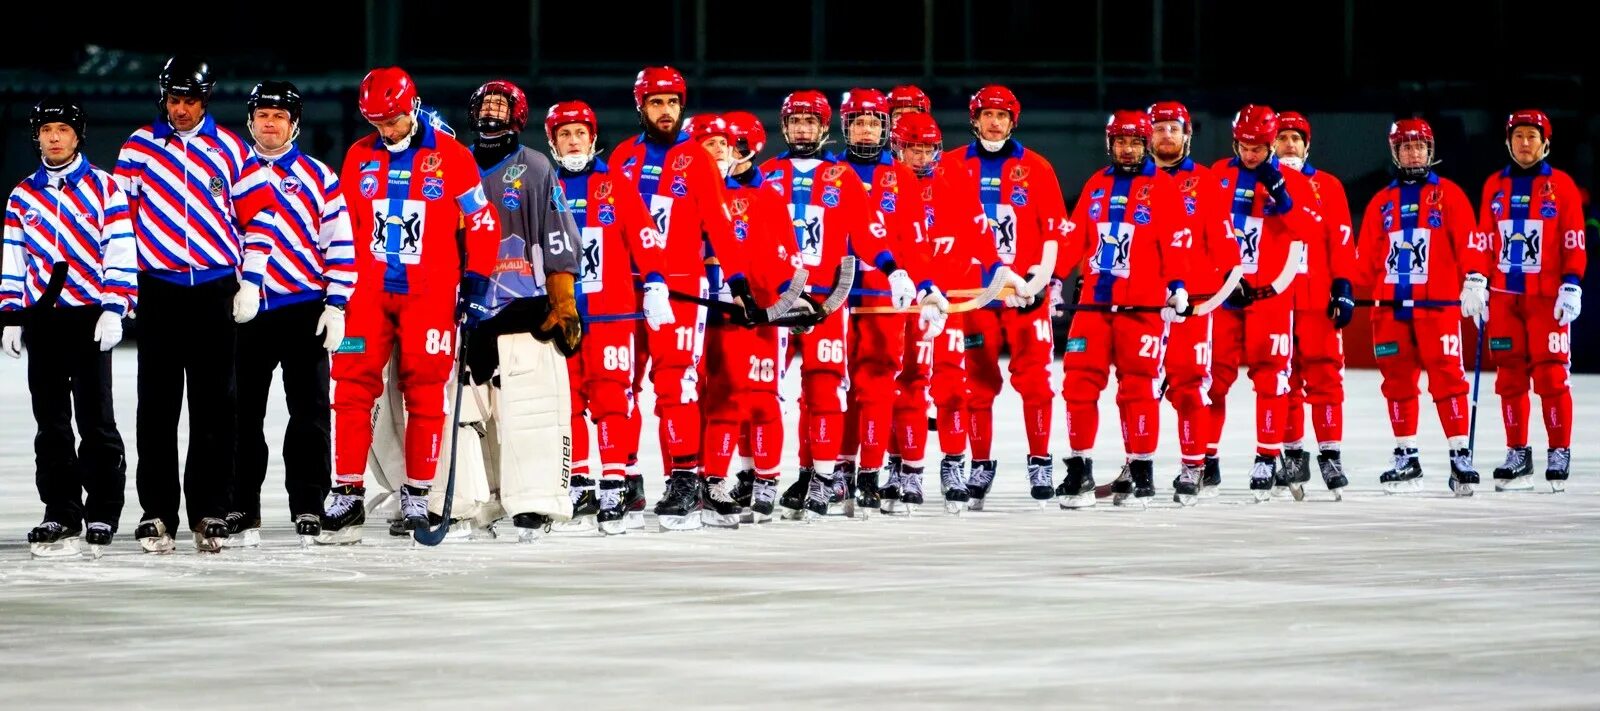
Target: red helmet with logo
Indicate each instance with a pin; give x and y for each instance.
(745, 132)
(565, 112)
(908, 96)
(858, 102)
(518, 104)
(1128, 123)
(659, 80)
(1294, 121)
(807, 101)
(995, 96)
(917, 129)
(703, 126)
(1255, 124)
(1409, 130)
(1170, 111)
(387, 92)
(1528, 117)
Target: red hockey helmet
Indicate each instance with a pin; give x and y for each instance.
(1171, 111)
(703, 126)
(1294, 121)
(1529, 117)
(565, 112)
(858, 102)
(1128, 123)
(995, 96)
(517, 104)
(659, 80)
(908, 96)
(387, 92)
(745, 132)
(807, 101)
(918, 129)
(1409, 130)
(1255, 124)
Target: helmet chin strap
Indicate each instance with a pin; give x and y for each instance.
(574, 162)
(1293, 162)
(401, 145)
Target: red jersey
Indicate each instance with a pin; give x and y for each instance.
(618, 238)
(683, 192)
(761, 223)
(893, 193)
(1129, 233)
(1262, 230)
(1416, 241)
(1533, 224)
(406, 208)
(957, 229)
(829, 215)
(1213, 252)
(1021, 196)
(1332, 256)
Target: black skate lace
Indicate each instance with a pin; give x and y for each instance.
(1560, 459)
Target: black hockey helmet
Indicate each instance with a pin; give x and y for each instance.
(187, 76)
(273, 94)
(57, 109)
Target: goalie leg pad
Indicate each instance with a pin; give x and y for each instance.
(474, 494)
(534, 419)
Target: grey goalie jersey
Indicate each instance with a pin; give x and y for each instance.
(538, 235)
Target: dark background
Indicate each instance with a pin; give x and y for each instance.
(1351, 66)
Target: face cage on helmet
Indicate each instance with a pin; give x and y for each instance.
(869, 152)
(1418, 172)
(477, 114)
(822, 134)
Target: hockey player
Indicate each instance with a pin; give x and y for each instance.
(829, 221)
(302, 298)
(72, 213)
(616, 234)
(1416, 244)
(1129, 236)
(1323, 305)
(906, 98)
(188, 194)
(409, 190)
(1022, 198)
(1213, 256)
(1269, 211)
(1533, 217)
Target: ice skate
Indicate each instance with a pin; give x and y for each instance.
(719, 509)
(1462, 476)
(153, 536)
(531, 526)
(763, 496)
(413, 508)
(1122, 486)
(1517, 472)
(794, 497)
(307, 526)
(211, 536)
(679, 507)
(1263, 475)
(611, 517)
(1143, 474)
(910, 489)
(585, 507)
(1406, 476)
(979, 480)
(634, 502)
(1041, 480)
(343, 516)
(98, 536)
(744, 489)
(889, 493)
(868, 500)
(53, 539)
(1294, 475)
(1333, 473)
(951, 482)
(1077, 488)
(243, 531)
(818, 490)
(1211, 481)
(841, 498)
(1186, 488)
(1558, 461)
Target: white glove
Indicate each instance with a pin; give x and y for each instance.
(902, 292)
(331, 327)
(108, 330)
(935, 309)
(11, 341)
(1177, 306)
(657, 307)
(1569, 301)
(1475, 298)
(1020, 295)
(246, 303)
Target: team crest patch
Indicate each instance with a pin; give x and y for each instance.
(1188, 204)
(1386, 349)
(682, 162)
(603, 190)
(887, 203)
(1435, 220)
(1019, 173)
(890, 179)
(369, 185)
(607, 214)
(352, 344)
(1094, 211)
(1499, 344)
(31, 217)
(927, 194)
(740, 205)
(1144, 192)
(1434, 196)
(431, 163)
(1077, 345)
(1141, 214)
(1224, 182)
(1097, 193)
(216, 185)
(1019, 196)
(1547, 189)
(830, 196)
(433, 188)
(680, 187)
(290, 185)
(511, 198)
(1548, 209)
(832, 173)
(1189, 183)
(513, 172)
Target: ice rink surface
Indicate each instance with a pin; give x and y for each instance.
(1415, 602)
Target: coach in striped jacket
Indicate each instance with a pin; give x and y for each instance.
(70, 211)
(188, 184)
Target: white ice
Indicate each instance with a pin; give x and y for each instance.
(1415, 602)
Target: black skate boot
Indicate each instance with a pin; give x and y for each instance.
(1143, 473)
(1211, 481)
(54, 539)
(744, 489)
(794, 497)
(720, 510)
(1041, 480)
(1294, 475)
(633, 501)
(979, 479)
(307, 526)
(1186, 488)
(1077, 488)
(413, 508)
(153, 536)
(1463, 477)
(1557, 461)
(530, 526)
(819, 490)
(97, 536)
(244, 531)
(1517, 473)
(345, 513)
(679, 507)
(841, 494)
(585, 507)
(1263, 475)
(951, 482)
(867, 500)
(763, 496)
(612, 509)
(1406, 476)
(211, 535)
(1333, 473)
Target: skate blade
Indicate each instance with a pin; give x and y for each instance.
(1409, 486)
(1462, 490)
(1210, 492)
(1282, 491)
(307, 541)
(974, 504)
(1521, 483)
(633, 519)
(342, 537)
(890, 507)
(789, 514)
(248, 538)
(689, 522)
(1119, 499)
(202, 544)
(1261, 496)
(713, 519)
(529, 535)
(1338, 494)
(1298, 491)
(1558, 485)
(862, 511)
(1084, 500)
(96, 552)
(839, 508)
(63, 548)
(581, 524)
(955, 508)
(613, 528)
(159, 544)
(1185, 499)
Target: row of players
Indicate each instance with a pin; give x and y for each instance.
(1145, 232)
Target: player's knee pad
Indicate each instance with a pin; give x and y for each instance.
(1323, 382)
(1512, 380)
(1083, 384)
(1269, 381)
(1134, 387)
(950, 396)
(824, 392)
(1550, 379)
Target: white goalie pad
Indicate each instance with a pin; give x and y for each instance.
(474, 489)
(533, 423)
